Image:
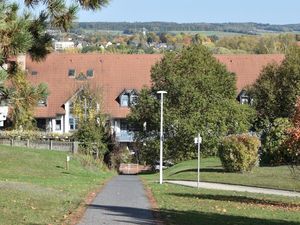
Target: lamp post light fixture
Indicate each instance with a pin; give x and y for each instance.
(161, 135)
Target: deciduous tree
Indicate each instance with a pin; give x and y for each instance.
(201, 98)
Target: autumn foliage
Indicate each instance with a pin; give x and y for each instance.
(292, 143)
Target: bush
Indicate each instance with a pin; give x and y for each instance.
(90, 163)
(35, 135)
(239, 153)
(118, 156)
(93, 139)
(272, 139)
(292, 151)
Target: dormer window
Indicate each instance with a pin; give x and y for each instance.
(90, 73)
(71, 72)
(244, 98)
(133, 99)
(127, 98)
(42, 102)
(124, 100)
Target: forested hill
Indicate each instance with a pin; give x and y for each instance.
(246, 28)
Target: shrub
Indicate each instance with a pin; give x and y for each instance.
(272, 139)
(119, 155)
(90, 163)
(239, 153)
(35, 135)
(93, 139)
(292, 144)
(292, 150)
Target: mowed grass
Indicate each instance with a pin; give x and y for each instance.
(35, 188)
(188, 206)
(211, 170)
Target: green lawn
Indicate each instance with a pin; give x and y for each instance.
(184, 205)
(36, 189)
(211, 170)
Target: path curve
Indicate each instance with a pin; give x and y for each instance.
(122, 201)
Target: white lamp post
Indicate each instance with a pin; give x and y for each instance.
(161, 136)
(198, 141)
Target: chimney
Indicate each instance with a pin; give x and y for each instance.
(21, 59)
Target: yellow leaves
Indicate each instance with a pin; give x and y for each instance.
(220, 209)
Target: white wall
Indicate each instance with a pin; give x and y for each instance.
(53, 124)
(116, 126)
(67, 117)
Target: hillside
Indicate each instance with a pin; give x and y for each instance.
(35, 188)
(244, 28)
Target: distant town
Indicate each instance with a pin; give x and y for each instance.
(159, 37)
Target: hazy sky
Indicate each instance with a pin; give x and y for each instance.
(263, 11)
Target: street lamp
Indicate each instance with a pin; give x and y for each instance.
(161, 135)
(198, 141)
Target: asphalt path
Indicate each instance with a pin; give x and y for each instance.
(232, 187)
(122, 201)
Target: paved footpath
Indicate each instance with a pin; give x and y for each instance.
(230, 187)
(122, 201)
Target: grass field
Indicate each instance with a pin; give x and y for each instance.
(190, 206)
(36, 189)
(211, 170)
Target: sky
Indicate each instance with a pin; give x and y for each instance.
(211, 11)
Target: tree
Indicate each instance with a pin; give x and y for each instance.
(23, 97)
(277, 88)
(201, 98)
(62, 15)
(91, 132)
(25, 34)
(18, 35)
(292, 143)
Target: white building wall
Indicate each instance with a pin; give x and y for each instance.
(53, 125)
(62, 45)
(66, 124)
(116, 126)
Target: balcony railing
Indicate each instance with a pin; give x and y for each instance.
(125, 136)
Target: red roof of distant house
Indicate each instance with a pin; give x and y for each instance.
(114, 72)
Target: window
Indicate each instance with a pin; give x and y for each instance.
(34, 72)
(123, 125)
(71, 107)
(244, 100)
(90, 73)
(73, 123)
(124, 100)
(133, 99)
(42, 102)
(57, 124)
(71, 73)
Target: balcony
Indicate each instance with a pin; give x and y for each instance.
(125, 136)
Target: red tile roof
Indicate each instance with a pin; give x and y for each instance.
(247, 67)
(113, 73)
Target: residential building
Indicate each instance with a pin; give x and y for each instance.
(119, 79)
(63, 45)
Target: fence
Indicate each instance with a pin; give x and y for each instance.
(42, 144)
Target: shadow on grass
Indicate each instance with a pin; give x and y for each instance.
(131, 215)
(208, 170)
(239, 199)
(191, 217)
